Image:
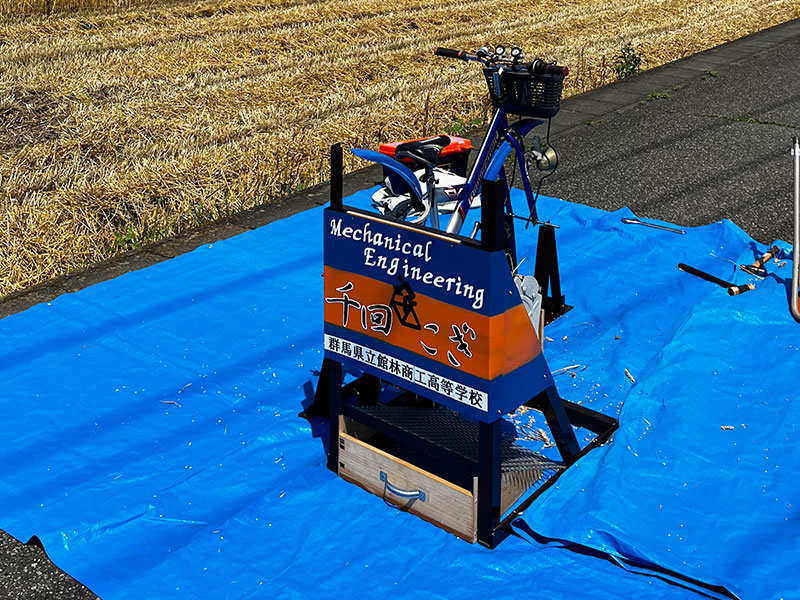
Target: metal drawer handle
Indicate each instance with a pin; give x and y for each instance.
(407, 494)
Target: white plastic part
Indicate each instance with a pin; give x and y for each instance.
(449, 206)
(385, 199)
(532, 301)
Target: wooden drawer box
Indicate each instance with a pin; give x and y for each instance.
(421, 493)
(448, 497)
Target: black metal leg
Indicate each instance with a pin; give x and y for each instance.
(580, 416)
(319, 407)
(489, 462)
(546, 271)
(493, 235)
(334, 389)
(368, 390)
(550, 404)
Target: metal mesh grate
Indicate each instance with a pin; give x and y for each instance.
(448, 430)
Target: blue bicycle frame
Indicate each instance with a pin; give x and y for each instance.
(488, 165)
(481, 170)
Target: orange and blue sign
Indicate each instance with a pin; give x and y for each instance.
(431, 313)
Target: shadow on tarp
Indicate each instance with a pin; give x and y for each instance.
(152, 443)
(522, 529)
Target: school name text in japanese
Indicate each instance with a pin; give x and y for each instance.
(411, 373)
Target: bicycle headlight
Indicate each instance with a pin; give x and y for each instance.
(541, 155)
(548, 161)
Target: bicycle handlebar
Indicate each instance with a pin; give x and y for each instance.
(450, 53)
(537, 66)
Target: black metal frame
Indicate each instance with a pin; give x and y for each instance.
(333, 398)
(547, 274)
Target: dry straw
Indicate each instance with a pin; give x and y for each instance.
(122, 121)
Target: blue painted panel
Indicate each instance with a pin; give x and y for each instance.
(434, 267)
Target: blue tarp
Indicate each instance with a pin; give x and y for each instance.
(151, 437)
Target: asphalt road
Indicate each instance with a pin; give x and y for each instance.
(716, 146)
(27, 573)
(692, 142)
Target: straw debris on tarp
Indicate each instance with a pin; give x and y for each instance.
(228, 496)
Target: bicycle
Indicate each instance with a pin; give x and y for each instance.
(420, 190)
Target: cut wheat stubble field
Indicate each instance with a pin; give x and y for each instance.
(122, 122)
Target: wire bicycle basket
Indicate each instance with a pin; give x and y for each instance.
(526, 94)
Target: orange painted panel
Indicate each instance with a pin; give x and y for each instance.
(483, 346)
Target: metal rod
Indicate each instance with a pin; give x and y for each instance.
(733, 290)
(475, 229)
(638, 222)
(336, 176)
(434, 205)
(794, 302)
(725, 259)
(534, 222)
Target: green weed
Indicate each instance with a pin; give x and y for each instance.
(628, 62)
(462, 126)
